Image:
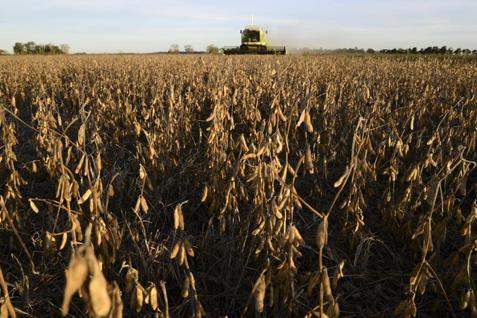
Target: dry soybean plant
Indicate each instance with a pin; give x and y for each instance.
(192, 186)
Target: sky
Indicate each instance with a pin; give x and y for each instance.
(149, 26)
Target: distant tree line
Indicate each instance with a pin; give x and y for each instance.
(33, 48)
(211, 49)
(430, 50)
(414, 50)
(174, 48)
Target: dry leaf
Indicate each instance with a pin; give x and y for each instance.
(185, 287)
(142, 172)
(204, 195)
(144, 206)
(85, 197)
(99, 297)
(302, 118)
(175, 250)
(309, 126)
(340, 181)
(117, 310)
(76, 275)
(132, 277)
(153, 300)
(64, 239)
(4, 310)
(260, 293)
(322, 233)
(33, 206)
(137, 298)
(81, 135)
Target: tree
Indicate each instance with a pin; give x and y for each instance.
(3, 52)
(53, 49)
(370, 51)
(33, 48)
(174, 48)
(212, 49)
(19, 48)
(30, 47)
(65, 48)
(39, 49)
(188, 48)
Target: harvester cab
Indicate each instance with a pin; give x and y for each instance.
(253, 36)
(254, 41)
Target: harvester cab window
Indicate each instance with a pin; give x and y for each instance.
(252, 36)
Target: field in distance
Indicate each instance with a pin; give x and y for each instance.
(178, 186)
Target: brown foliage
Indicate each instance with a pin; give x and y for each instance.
(281, 185)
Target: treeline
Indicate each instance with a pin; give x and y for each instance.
(414, 50)
(430, 50)
(34, 48)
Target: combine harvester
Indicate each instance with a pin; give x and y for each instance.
(254, 41)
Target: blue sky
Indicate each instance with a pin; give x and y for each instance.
(147, 25)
